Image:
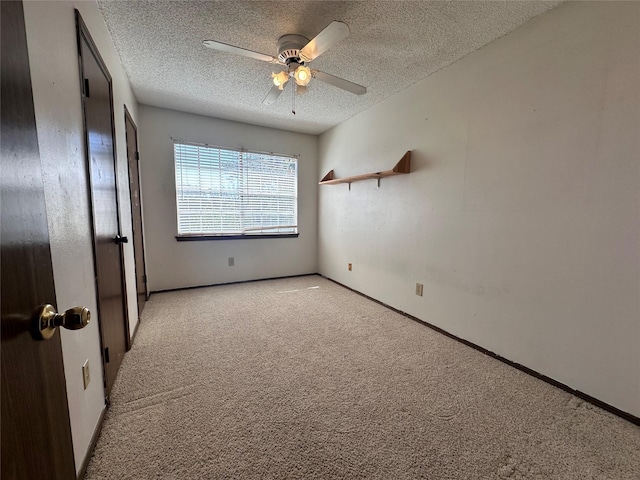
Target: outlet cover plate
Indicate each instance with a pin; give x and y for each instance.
(419, 288)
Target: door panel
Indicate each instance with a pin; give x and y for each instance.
(36, 433)
(136, 210)
(98, 116)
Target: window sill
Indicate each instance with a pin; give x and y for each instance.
(196, 238)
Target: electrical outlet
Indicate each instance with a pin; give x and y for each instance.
(419, 289)
(86, 378)
(350, 267)
(232, 261)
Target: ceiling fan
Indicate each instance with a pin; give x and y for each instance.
(296, 52)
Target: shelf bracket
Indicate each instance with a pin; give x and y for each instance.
(328, 177)
(378, 182)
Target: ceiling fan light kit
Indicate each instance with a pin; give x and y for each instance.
(280, 79)
(302, 75)
(296, 52)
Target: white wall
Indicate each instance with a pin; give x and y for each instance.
(53, 55)
(173, 264)
(522, 214)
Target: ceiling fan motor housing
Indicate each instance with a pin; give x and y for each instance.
(289, 47)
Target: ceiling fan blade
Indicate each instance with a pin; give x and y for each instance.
(272, 96)
(223, 47)
(332, 34)
(339, 82)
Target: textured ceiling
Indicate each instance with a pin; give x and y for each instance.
(393, 44)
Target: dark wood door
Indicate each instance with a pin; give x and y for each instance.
(36, 433)
(97, 101)
(133, 158)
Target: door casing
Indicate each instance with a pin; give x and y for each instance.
(100, 151)
(133, 159)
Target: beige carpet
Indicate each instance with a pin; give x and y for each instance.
(301, 378)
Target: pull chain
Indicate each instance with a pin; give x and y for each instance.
(293, 98)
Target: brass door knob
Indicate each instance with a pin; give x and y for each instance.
(45, 320)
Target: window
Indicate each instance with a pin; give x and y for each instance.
(222, 192)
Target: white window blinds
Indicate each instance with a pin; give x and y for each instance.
(229, 192)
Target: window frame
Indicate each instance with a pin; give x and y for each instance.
(186, 237)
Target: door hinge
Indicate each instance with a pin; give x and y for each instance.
(86, 88)
(137, 155)
(106, 355)
(144, 278)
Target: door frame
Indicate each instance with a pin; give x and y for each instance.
(82, 33)
(129, 118)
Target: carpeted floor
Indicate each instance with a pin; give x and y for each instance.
(301, 378)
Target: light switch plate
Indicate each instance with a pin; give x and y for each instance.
(86, 378)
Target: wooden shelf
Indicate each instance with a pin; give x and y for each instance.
(402, 167)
